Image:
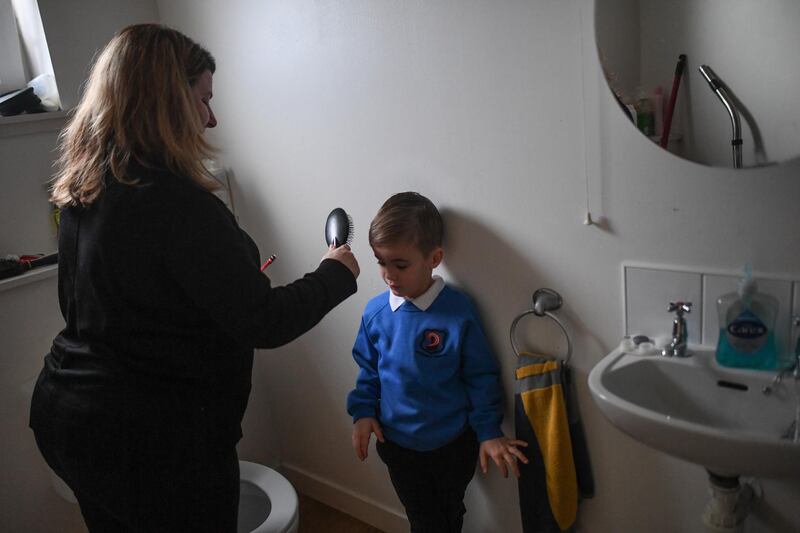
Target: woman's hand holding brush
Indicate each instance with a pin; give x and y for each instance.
(344, 255)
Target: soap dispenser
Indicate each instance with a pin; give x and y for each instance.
(747, 327)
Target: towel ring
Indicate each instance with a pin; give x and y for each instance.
(544, 301)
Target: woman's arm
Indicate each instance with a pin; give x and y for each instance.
(216, 266)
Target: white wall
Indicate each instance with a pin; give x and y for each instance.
(480, 106)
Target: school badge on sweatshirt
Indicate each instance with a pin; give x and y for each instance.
(432, 341)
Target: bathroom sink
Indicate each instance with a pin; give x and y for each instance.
(696, 410)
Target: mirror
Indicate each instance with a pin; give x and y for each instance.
(749, 52)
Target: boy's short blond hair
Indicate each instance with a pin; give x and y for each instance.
(407, 217)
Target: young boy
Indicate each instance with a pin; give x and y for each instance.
(429, 385)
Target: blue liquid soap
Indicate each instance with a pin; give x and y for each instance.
(763, 358)
(747, 324)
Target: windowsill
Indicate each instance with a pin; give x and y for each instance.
(39, 273)
(27, 124)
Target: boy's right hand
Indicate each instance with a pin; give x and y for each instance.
(362, 429)
(344, 255)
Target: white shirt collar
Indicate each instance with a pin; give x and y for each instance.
(424, 300)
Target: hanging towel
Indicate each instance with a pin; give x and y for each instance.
(580, 451)
(550, 484)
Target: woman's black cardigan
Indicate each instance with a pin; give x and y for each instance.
(164, 304)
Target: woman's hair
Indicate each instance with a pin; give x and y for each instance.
(407, 217)
(137, 106)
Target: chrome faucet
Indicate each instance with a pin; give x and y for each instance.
(678, 347)
(793, 368)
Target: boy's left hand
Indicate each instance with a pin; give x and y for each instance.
(503, 451)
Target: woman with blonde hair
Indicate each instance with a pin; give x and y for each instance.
(139, 404)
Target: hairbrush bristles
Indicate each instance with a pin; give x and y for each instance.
(339, 228)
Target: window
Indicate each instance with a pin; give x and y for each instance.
(24, 55)
(12, 75)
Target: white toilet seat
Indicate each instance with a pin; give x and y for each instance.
(283, 517)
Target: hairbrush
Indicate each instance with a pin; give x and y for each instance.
(338, 228)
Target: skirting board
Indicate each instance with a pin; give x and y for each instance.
(366, 510)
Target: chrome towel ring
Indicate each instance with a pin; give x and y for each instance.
(544, 301)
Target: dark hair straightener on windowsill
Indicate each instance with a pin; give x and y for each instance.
(21, 101)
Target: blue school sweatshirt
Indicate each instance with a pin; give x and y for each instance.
(425, 375)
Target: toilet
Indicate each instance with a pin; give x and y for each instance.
(267, 501)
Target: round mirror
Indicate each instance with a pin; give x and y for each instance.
(712, 81)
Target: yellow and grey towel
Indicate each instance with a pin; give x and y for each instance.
(550, 484)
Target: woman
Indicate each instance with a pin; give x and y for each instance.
(139, 404)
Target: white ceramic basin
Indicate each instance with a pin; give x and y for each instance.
(694, 409)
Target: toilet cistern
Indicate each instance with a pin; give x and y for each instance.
(678, 347)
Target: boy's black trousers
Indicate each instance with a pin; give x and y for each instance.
(431, 484)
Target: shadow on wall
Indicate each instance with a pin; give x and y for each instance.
(501, 281)
(487, 267)
(250, 211)
(775, 517)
